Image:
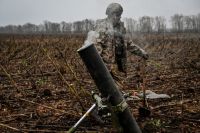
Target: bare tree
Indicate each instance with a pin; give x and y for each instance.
(146, 24)
(66, 27)
(188, 23)
(78, 27)
(198, 23)
(177, 23)
(131, 25)
(55, 28)
(29, 28)
(88, 25)
(51, 27)
(160, 24)
(47, 26)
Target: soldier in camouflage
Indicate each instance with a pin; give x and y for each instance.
(111, 42)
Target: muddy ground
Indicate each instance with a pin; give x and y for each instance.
(45, 86)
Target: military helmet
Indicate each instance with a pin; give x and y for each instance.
(114, 8)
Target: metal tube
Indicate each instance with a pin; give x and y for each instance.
(107, 86)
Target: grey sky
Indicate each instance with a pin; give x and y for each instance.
(36, 11)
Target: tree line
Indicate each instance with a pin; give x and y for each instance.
(178, 23)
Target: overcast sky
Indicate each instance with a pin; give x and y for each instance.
(36, 11)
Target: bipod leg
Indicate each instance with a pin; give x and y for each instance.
(73, 129)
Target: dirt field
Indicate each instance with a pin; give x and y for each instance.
(45, 87)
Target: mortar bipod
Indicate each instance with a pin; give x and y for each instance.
(102, 110)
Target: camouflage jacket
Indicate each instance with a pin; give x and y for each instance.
(112, 46)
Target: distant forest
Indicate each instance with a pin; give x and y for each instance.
(146, 24)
